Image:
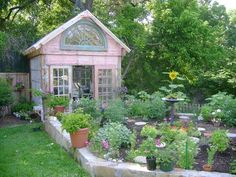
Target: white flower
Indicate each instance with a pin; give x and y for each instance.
(218, 110)
(213, 113)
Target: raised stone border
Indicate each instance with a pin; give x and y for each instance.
(98, 167)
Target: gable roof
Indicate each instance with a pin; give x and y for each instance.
(69, 23)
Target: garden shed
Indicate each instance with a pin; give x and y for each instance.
(81, 58)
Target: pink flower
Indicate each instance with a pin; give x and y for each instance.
(158, 142)
(105, 144)
(86, 143)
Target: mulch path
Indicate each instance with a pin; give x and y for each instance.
(11, 120)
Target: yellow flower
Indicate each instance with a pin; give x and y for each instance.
(173, 75)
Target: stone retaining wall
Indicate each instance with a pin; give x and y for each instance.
(98, 167)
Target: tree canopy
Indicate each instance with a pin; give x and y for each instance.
(195, 38)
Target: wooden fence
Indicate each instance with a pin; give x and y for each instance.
(13, 78)
(188, 107)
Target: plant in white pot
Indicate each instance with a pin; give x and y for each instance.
(77, 124)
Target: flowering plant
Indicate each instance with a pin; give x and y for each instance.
(105, 144)
(171, 89)
(216, 116)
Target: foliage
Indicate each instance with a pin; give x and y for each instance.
(23, 106)
(6, 97)
(220, 140)
(90, 106)
(32, 149)
(166, 156)
(149, 131)
(211, 154)
(186, 152)
(206, 113)
(115, 134)
(53, 101)
(75, 121)
(226, 104)
(115, 112)
(148, 147)
(148, 106)
(233, 167)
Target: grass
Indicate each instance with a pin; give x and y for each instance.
(25, 153)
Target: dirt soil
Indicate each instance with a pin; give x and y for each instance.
(222, 160)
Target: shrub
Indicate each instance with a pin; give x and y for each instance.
(90, 106)
(206, 113)
(115, 134)
(23, 106)
(115, 112)
(75, 121)
(6, 97)
(226, 103)
(53, 101)
(148, 147)
(147, 106)
(220, 140)
(149, 131)
(211, 154)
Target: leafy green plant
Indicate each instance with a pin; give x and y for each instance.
(166, 156)
(6, 97)
(233, 167)
(115, 112)
(90, 106)
(186, 151)
(75, 121)
(156, 107)
(220, 140)
(53, 101)
(206, 111)
(116, 135)
(211, 154)
(23, 106)
(148, 148)
(149, 131)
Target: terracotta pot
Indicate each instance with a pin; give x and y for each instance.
(207, 167)
(79, 139)
(59, 109)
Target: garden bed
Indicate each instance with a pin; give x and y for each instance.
(102, 168)
(222, 160)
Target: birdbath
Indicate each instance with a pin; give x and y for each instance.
(172, 102)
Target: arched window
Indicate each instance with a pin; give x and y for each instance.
(84, 35)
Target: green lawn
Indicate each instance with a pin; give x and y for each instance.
(24, 153)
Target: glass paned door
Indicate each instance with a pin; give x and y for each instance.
(61, 80)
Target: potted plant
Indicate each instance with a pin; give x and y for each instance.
(166, 159)
(210, 159)
(58, 103)
(77, 124)
(149, 149)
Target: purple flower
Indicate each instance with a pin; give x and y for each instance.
(158, 142)
(105, 144)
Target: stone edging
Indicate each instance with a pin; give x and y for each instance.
(98, 167)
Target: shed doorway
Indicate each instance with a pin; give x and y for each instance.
(83, 82)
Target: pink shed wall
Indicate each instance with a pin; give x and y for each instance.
(110, 59)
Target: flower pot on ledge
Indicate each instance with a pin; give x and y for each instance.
(59, 109)
(207, 167)
(79, 139)
(151, 163)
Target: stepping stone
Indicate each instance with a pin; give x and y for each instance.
(184, 117)
(201, 129)
(231, 135)
(140, 123)
(140, 159)
(196, 140)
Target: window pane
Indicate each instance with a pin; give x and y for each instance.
(55, 82)
(55, 72)
(66, 72)
(55, 90)
(60, 89)
(61, 72)
(60, 82)
(66, 90)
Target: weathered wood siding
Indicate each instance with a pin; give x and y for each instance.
(13, 78)
(36, 77)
